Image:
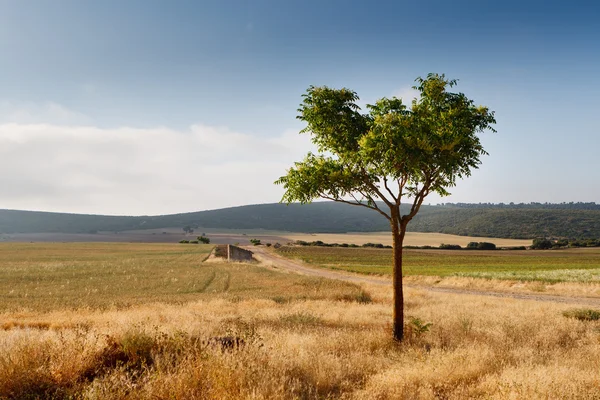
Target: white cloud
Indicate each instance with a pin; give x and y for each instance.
(140, 171)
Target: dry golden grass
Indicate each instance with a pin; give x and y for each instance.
(306, 349)
(307, 338)
(572, 289)
(411, 239)
(475, 348)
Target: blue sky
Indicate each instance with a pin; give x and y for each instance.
(148, 107)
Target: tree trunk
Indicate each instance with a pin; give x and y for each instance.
(398, 315)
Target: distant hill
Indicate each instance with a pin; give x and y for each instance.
(315, 217)
(511, 222)
(569, 220)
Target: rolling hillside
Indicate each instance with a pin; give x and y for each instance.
(575, 220)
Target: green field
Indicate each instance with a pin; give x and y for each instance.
(575, 265)
(57, 276)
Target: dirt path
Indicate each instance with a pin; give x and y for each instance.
(270, 259)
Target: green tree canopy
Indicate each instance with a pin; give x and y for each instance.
(392, 152)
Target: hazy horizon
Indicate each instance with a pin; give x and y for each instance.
(158, 108)
(271, 203)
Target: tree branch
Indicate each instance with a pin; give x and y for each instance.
(323, 196)
(416, 206)
(371, 200)
(401, 183)
(385, 183)
(425, 190)
(374, 187)
(354, 197)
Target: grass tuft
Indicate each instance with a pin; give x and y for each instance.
(301, 318)
(281, 299)
(361, 297)
(583, 314)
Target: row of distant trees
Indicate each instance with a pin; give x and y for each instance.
(443, 246)
(538, 244)
(533, 205)
(545, 244)
(199, 239)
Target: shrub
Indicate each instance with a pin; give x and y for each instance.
(514, 248)
(203, 239)
(255, 242)
(194, 242)
(486, 246)
(450, 246)
(481, 246)
(133, 352)
(362, 297)
(541, 244)
(415, 328)
(281, 299)
(184, 241)
(581, 243)
(374, 245)
(583, 314)
(419, 326)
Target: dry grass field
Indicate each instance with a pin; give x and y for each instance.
(49, 276)
(297, 337)
(243, 236)
(411, 239)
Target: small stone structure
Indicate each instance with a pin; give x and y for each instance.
(231, 253)
(235, 253)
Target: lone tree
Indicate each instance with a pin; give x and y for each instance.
(391, 154)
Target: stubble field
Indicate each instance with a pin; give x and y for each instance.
(411, 238)
(155, 335)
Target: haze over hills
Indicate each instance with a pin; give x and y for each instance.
(566, 220)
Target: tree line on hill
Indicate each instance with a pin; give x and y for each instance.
(561, 221)
(532, 206)
(546, 244)
(511, 223)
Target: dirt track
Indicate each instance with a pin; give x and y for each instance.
(280, 263)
